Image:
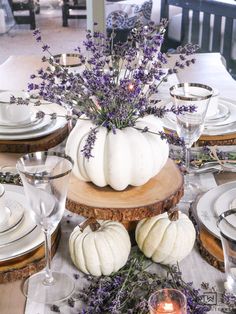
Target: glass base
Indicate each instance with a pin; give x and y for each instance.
(37, 290)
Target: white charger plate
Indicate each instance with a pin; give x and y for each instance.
(26, 244)
(206, 207)
(15, 213)
(56, 124)
(26, 226)
(225, 202)
(226, 127)
(36, 124)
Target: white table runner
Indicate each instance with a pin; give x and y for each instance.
(190, 266)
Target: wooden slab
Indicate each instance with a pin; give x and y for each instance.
(39, 144)
(28, 264)
(209, 246)
(134, 203)
(212, 140)
(225, 139)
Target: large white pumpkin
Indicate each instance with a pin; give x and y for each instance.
(164, 240)
(102, 251)
(129, 157)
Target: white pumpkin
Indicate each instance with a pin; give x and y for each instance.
(127, 157)
(164, 240)
(102, 251)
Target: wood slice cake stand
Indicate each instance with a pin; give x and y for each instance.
(209, 246)
(33, 145)
(159, 194)
(28, 264)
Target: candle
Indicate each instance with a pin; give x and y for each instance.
(167, 301)
(168, 306)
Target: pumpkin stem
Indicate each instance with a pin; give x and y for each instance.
(173, 214)
(92, 222)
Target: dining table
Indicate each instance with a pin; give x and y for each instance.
(209, 69)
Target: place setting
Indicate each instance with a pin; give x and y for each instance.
(220, 118)
(21, 239)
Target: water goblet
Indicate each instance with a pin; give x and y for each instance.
(189, 125)
(45, 179)
(227, 226)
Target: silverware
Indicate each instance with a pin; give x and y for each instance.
(213, 166)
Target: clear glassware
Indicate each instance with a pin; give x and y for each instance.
(227, 226)
(190, 125)
(170, 301)
(45, 179)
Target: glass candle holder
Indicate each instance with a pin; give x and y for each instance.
(227, 226)
(167, 301)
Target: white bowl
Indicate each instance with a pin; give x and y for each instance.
(213, 104)
(13, 113)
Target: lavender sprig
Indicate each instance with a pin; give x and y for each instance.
(128, 290)
(116, 81)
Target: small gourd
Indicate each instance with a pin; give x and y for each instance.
(166, 238)
(99, 247)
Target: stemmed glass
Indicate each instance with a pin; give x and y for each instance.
(190, 124)
(45, 179)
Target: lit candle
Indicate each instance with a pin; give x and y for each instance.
(167, 301)
(131, 87)
(168, 306)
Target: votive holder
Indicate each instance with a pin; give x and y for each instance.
(227, 226)
(169, 301)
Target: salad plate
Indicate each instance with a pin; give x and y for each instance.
(206, 207)
(225, 202)
(25, 227)
(15, 213)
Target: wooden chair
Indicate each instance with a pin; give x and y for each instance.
(66, 11)
(18, 6)
(208, 23)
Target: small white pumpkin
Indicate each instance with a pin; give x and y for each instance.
(127, 157)
(100, 248)
(166, 239)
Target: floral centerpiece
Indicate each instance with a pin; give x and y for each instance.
(117, 139)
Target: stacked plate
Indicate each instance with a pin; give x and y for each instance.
(18, 233)
(222, 122)
(34, 126)
(215, 202)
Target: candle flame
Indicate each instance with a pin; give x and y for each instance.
(168, 307)
(131, 87)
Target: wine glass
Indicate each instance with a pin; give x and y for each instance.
(45, 179)
(189, 125)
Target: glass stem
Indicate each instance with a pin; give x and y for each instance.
(187, 163)
(49, 280)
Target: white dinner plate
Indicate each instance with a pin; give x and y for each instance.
(15, 213)
(223, 114)
(26, 244)
(25, 227)
(222, 127)
(36, 124)
(206, 210)
(56, 124)
(225, 202)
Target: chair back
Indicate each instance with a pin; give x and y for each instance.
(207, 23)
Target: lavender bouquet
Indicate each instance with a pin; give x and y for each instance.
(115, 92)
(116, 83)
